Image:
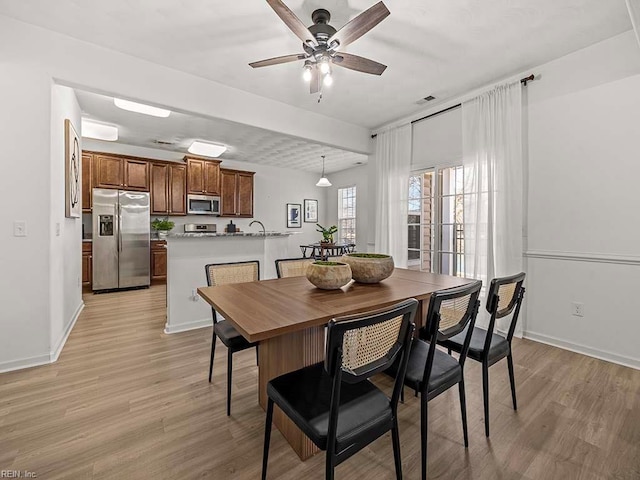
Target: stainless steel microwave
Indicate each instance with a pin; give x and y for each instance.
(203, 205)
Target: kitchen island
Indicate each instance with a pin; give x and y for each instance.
(188, 253)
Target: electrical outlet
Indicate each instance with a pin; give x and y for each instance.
(577, 309)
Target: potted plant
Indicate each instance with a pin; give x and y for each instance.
(162, 226)
(327, 233)
(369, 267)
(328, 275)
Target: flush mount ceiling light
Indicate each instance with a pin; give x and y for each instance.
(207, 149)
(324, 181)
(321, 41)
(99, 131)
(141, 108)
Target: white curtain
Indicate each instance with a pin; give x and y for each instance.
(392, 159)
(493, 186)
(634, 13)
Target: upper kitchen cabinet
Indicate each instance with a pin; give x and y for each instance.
(203, 176)
(168, 188)
(112, 171)
(236, 193)
(87, 183)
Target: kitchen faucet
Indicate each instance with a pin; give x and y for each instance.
(264, 232)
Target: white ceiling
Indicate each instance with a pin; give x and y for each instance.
(245, 143)
(432, 47)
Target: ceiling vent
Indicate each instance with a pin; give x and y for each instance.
(162, 142)
(426, 99)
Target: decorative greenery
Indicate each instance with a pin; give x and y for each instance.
(328, 264)
(368, 255)
(162, 224)
(327, 233)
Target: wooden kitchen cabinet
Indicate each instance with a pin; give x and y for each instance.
(87, 182)
(203, 176)
(112, 171)
(87, 260)
(236, 196)
(168, 189)
(158, 261)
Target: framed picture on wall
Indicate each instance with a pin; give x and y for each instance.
(72, 171)
(310, 210)
(293, 215)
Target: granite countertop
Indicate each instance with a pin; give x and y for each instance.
(221, 234)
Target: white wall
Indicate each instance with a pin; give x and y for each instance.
(584, 235)
(65, 247)
(25, 188)
(358, 176)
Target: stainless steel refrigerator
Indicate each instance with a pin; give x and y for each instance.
(120, 239)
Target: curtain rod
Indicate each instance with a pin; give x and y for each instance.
(524, 81)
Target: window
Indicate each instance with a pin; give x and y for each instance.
(347, 214)
(436, 221)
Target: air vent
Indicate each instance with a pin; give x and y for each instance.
(426, 99)
(162, 142)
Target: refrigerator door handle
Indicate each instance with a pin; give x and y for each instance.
(119, 207)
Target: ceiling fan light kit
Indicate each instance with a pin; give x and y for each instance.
(321, 41)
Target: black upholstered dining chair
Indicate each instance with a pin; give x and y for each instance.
(221, 274)
(292, 267)
(333, 402)
(487, 347)
(431, 371)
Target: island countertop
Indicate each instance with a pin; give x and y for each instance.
(221, 234)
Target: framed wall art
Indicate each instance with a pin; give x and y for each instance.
(310, 210)
(293, 215)
(72, 206)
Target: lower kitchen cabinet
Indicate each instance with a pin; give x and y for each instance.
(87, 260)
(158, 261)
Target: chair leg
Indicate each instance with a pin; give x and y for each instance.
(402, 395)
(485, 394)
(229, 370)
(267, 438)
(214, 337)
(330, 467)
(463, 410)
(449, 351)
(512, 379)
(395, 438)
(423, 434)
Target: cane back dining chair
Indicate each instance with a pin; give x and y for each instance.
(431, 371)
(293, 267)
(487, 347)
(221, 274)
(333, 402)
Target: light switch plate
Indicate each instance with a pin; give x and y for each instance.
(19, 229)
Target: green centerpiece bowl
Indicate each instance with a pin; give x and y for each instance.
(329, 275)
(369, 267)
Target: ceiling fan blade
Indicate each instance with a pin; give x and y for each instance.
(292, 21)
(277, 60)
(314, 84)
(360, 25)
(361, 64)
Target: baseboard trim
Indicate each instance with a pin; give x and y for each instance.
(25, 363)
(55, 353)
(185, 327)
(585, 257)
(584, 350)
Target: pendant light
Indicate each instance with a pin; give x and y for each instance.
(324, 181)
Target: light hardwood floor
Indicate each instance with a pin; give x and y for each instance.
(126, 401)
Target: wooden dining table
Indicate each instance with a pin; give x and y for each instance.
(287, 316)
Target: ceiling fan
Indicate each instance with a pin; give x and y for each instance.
(320, 43)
